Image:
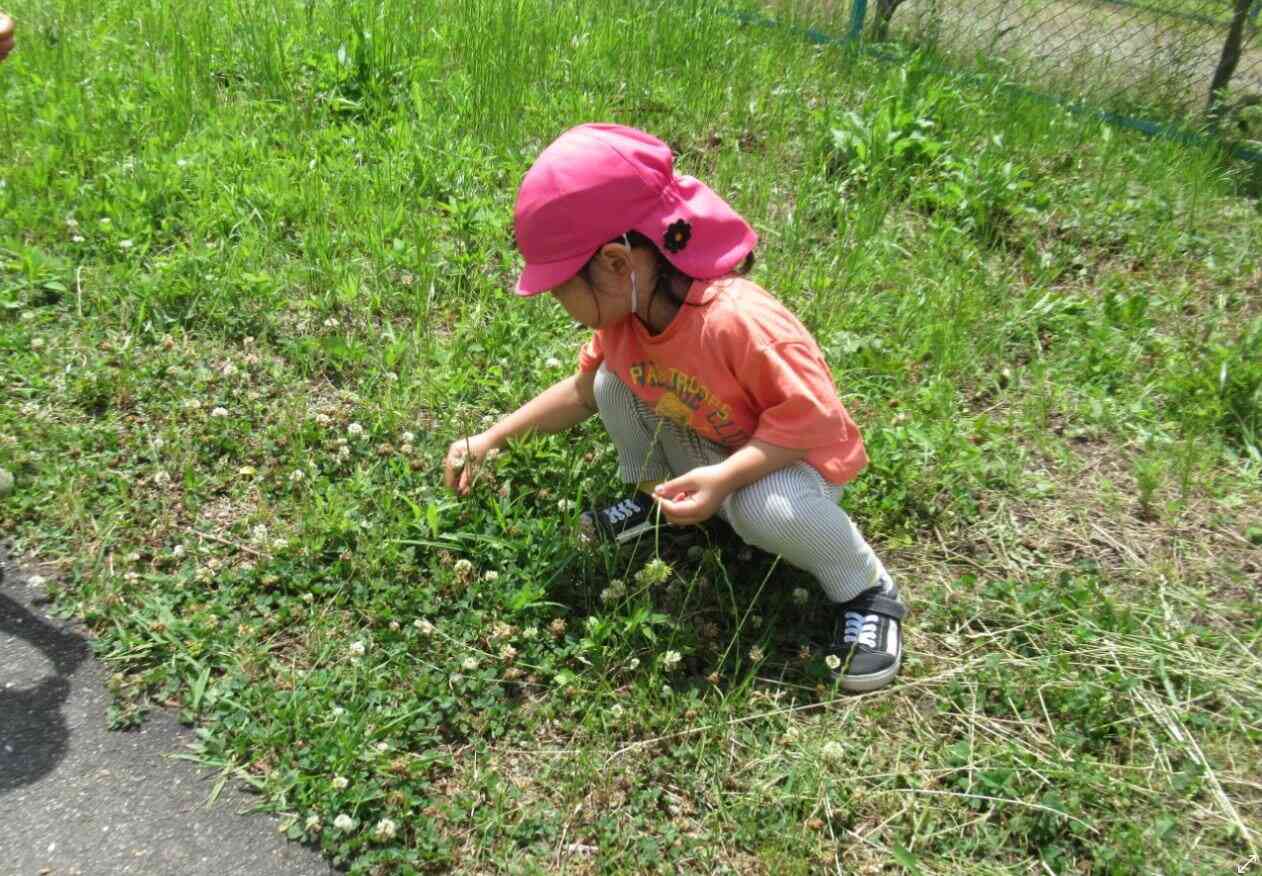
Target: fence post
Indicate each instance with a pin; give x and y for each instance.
(1232, 49)
(859, 11)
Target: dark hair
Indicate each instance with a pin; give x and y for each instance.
(669, 277)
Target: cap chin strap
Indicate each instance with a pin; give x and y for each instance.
(635, 290)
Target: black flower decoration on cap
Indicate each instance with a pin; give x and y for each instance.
(678, 235)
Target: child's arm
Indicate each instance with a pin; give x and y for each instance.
(562, 405)
(696, 495)
(6, 35)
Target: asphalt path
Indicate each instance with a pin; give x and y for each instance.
(78, 798)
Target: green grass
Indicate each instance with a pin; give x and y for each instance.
(228, 234)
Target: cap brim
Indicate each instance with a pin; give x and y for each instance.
(548, 275)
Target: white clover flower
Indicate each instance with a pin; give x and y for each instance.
(161, 478)
(228, 369)
(425, 627)
(37, 343)
(406, 449)
(530, 633)
(340, 783)
(382, 747)
(800, 596)
(385, 829)
(463, 568)
(308, 597)
(355, 430)
(508, 653)
(358, 648)
(616, 710)
(125, 244)
(279, 544)
(323, 419)
(177, 551)
(394, 626)
(656, 571)
(615, 591)
(469, 664)
(192, 404)
(157, 442)
(331, 322)
(183, 162)
(670, 660)
(296, 475)
(833, 751)
(832, 661)
(633, 663)
(313, 823)
(259, 532)
(756, 654)
(78, 238)
(344, 823)
(409, 438)
(491, 575)
(566, 505)
(338, 711)
(552, 362)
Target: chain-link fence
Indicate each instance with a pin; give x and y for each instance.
(1161, 58)
(1119, 54)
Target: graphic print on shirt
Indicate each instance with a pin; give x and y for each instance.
(684, 396)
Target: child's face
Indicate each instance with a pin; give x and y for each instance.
(601, 295)
(576, 296)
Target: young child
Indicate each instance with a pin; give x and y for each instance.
(717, 399)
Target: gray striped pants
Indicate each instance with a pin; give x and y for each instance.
(792, 512)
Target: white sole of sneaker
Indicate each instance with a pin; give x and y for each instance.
(871, 681)
(590, 534)
(628, 534)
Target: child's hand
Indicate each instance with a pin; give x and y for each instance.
(694, 497)
(464, 459)
(6, 35)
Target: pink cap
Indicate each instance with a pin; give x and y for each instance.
(596, 182)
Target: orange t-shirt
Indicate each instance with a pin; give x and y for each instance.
(734, 364)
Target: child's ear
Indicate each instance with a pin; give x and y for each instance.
(616, 258)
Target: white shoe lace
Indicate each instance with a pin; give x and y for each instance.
(861, 628)
(622, 510)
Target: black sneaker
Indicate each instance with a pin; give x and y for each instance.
(868, 638)
(620, 522)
